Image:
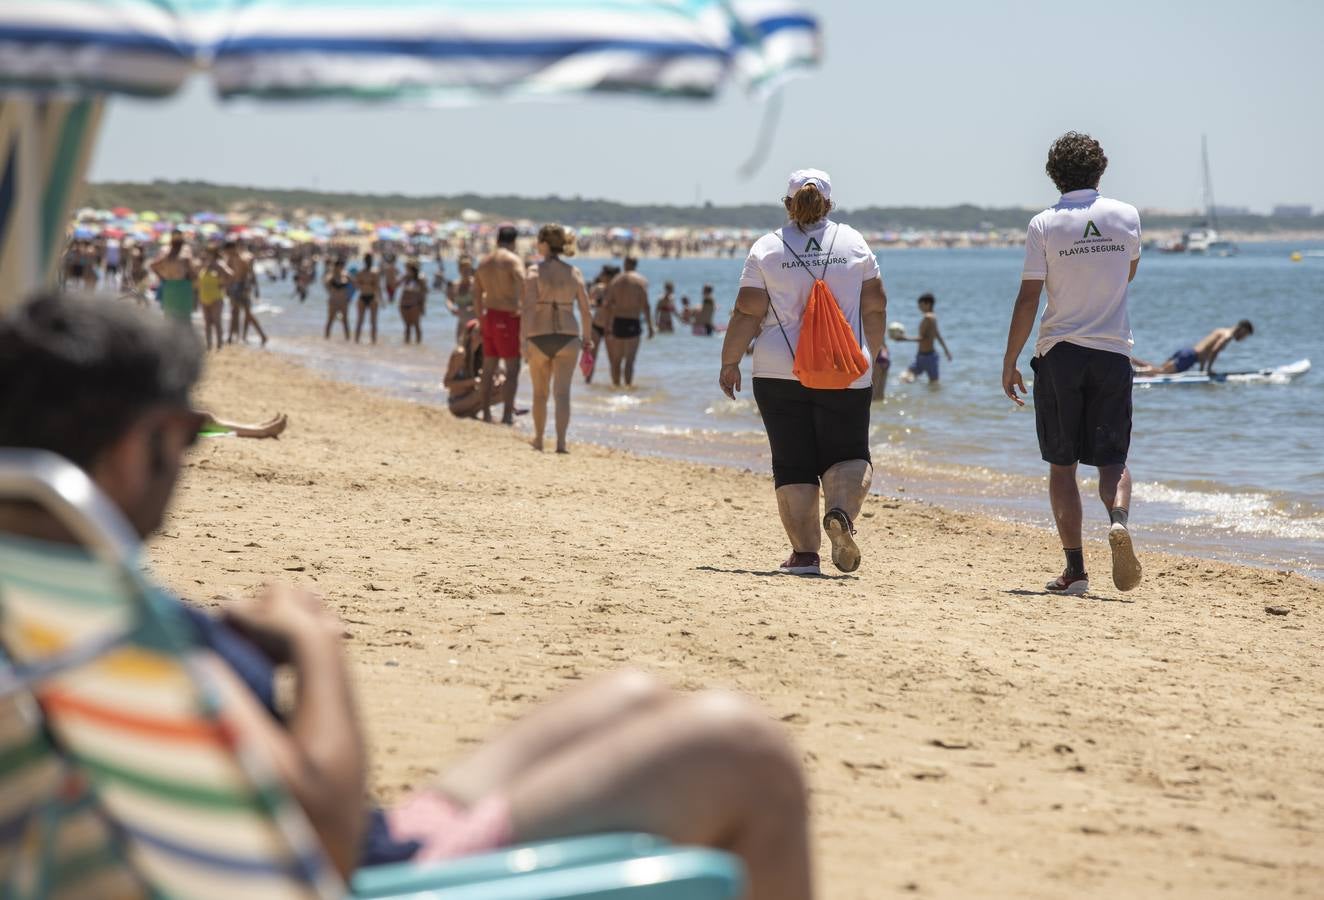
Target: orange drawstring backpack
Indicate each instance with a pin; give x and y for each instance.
(827, 355)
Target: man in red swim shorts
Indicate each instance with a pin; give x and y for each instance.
(498, 288)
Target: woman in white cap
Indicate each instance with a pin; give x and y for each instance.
(818, 436)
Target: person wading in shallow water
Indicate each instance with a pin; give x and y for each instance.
(819, 437)
(498, 289)
(627, 311)
(1086, 248)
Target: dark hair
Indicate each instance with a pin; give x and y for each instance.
(670, 286)
(231, 244)
(1245, 323)
(631, 263)
(927, 298)
(367, 260)
(507, 235)
(1075, 161)
(76, 373)
(808, 205)
(412, 268)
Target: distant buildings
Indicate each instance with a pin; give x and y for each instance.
(1292, 211)
(1220, 210)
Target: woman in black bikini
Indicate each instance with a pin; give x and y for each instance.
(413, 300)
(552, 333)
(595, 295)
(337, 297)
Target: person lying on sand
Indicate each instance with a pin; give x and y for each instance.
(619, 753)
(271, 428)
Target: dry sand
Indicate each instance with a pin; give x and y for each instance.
(965, 734)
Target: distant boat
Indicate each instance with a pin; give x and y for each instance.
(1204, 238)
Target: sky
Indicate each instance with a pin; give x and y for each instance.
(917, 104)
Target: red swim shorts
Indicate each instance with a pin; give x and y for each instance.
(500, 334)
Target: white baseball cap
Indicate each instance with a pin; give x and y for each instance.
(817, 177)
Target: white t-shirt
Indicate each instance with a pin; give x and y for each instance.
(1083, 248)
(849, 264)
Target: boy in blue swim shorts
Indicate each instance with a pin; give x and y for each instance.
(926, 358)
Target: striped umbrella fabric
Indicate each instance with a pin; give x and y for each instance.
(62, 56)
(421, 49)
(458, 51)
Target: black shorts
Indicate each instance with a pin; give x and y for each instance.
(1082, 405)
(809, 430)
(626, 328)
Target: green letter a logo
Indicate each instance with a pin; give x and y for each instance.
(1091, 229)
(815, 247)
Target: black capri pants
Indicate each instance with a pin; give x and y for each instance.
(811, 430)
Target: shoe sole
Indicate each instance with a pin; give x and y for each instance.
(801, 570)
(1126, 568)
(1075, 589)
(845, 552)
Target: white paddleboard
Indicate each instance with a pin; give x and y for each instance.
(1276, 375)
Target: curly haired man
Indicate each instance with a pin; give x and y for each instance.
(1085, 249)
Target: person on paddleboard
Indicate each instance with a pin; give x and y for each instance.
(1085, 249)
(811, 298)
(1203, 352)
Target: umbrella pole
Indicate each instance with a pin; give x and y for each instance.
(45, 148)
(69, 131)
(20, 200)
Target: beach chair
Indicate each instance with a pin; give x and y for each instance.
(121, 774)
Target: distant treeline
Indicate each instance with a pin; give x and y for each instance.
(196, 196)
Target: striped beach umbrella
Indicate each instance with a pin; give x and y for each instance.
(59, 57)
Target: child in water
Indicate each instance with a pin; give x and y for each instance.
(926, 358)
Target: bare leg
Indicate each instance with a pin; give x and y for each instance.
(631, 352)
(358, 325)
(490, 365)
(845, 486)
(508, 390)
(344, 321)
(614, 356)
(797, 504)
(372, 311)
(705, 769)
(540, 372)
(1115, 487)
(250, 319)
(234, 321)
(1064, 494)
(564, 375)
(269, 429)
(551, 727)
(330, 320)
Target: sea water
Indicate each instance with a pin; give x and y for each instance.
(1229, 471)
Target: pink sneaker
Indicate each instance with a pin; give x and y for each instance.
(1072, 585)
(801, 564)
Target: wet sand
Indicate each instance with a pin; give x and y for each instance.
(965, 734)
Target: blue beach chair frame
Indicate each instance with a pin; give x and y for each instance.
(61, 832)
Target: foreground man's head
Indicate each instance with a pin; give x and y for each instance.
(106, 385)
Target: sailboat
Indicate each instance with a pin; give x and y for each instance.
(1204, 237)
